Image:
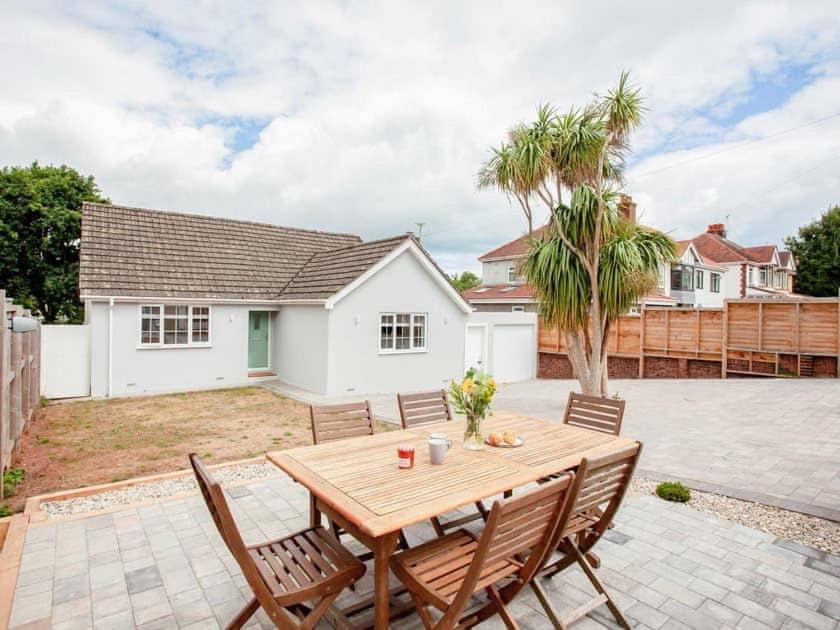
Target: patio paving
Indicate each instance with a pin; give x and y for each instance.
(164, 566)
(772, 441)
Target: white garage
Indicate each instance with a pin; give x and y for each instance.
(503, 344)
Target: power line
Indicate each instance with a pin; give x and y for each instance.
(740, 145)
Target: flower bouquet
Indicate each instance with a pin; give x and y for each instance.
(472, 397)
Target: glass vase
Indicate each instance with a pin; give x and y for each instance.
(473, 440)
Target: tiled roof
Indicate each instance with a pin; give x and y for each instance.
(514, 249)
(660, 297)
(512, 292)
(150, 253)
(715, 248)
(327, 273)
(761, 253)
(784, 257)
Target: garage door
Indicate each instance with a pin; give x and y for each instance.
(513, 353)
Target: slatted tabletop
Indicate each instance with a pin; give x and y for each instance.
(359, 477)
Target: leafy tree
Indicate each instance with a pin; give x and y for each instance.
(467, 280)
(817, 253)
(40, 227)
(591, 264)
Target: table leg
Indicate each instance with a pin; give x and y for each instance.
(314, 513)
(384, 548)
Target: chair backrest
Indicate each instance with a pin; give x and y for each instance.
(592, 412)
(424, 408)
(337, 422)
(524, 525)
(601, 481)
(214, 497)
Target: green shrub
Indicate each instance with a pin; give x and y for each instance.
(4, 510)
(11, 478)
(673, 491)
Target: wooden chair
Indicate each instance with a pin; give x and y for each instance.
(600, 482)
(308, 566)
(447, 572)
(595, 413)
(427, 408)
(340, 422)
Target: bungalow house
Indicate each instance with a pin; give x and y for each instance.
(179, 301)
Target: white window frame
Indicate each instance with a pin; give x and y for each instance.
(412, 349)
(699, 279)
(512, 275)
(712, 277)
(161, 317)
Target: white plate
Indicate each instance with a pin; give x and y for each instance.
(519, 442)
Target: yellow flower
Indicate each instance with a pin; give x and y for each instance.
(466, 385)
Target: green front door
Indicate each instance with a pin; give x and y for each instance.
(257, 340)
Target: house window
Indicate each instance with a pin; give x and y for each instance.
(402, 332)
(750, 276)
(682, 278)
(517, 309)
(698, 279)
(762, 277)
(661, 277)
(512, 275)
(780, 279)
(174, 325)
(715, 282)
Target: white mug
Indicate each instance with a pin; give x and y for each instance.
(438, 448)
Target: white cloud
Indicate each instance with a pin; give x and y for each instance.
(380, 114)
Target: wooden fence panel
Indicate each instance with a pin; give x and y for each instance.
(748, 335)
(20, 382)
(818, 325)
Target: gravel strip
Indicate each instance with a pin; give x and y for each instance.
(808, 530)
(153, 490)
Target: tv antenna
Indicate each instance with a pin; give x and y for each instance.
(420, 225)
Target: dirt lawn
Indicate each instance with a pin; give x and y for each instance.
(78, 444)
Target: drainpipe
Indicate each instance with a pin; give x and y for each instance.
(110, 346)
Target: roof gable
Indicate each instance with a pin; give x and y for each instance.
(513, 249)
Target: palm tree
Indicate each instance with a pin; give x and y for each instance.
(630, 256)
(591, 265)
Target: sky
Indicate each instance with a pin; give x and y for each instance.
(371, 117)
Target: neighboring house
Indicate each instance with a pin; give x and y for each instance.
(179, 301)
(713, 268)
(710, 269)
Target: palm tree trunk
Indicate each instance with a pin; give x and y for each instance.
(577, 357)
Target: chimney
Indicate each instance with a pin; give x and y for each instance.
(627, 207)
(717, 228)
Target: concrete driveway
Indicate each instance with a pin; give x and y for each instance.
(773, 441)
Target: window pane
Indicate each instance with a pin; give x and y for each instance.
(386, 332)
(151, 310)
(200, 324)
(419, 335)
(150, 330)
(171, 310)
(403, 331)
(175, 328)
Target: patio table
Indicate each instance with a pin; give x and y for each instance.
(357, 484)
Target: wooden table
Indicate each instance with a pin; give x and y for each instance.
(356, 482)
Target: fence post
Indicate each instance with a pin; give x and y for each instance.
(724, 340)
(642, 316)
(4, 386)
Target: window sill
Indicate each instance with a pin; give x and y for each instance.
(390, 352)
(174, 346)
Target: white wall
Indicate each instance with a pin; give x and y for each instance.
(144, 370)
(65, 361)
(355, 364)
(496, 272)
(704, 297)
(300, 348)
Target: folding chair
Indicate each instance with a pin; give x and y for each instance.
(427, 408)
(601, 481)
(595, 413)
(340, 422)
(446, 573)
(284, 574)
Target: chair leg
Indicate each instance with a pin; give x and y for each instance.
(587, 569)
(244, 615)
(548, 607)
(504, 613)
(318, 611)
(438, 527)
(422, 611)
